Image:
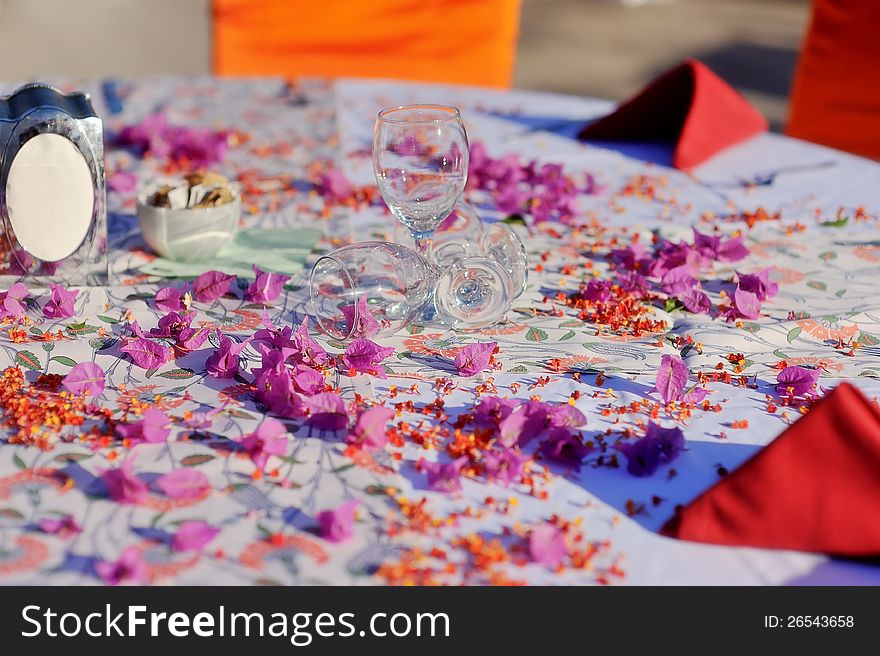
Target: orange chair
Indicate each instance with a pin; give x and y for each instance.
(456, 41)
(836, 95)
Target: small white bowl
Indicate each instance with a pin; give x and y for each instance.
(189, 234)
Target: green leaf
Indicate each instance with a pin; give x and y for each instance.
(139, 296)
(73, 457)
(514, 219)
(536, 335)
(150, 372)
(672, 304)
(868, 339)
(10, 513)
(101, 343)
(519, 369)
(28, 360)
(196, 459)
(781, 354)
(687, 349)
(63, 359)
(342, 468)
(81, 328)
(381, 490)
(177, 374)
(817, 284)
(840, 293)
(35, 331)
(403, 355)
(415, 329)
(238, 414)
(571, 323)
(793, 334)
(567, 335)
(18, 462)
(839, 223)
(48, 347)
(107, 319)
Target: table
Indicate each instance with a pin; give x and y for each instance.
(405, 532)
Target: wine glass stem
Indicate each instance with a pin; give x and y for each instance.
(422, 240)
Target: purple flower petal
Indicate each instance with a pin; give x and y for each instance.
(183, 483)
(337, 525)
(169, 299)
(547, 545)
(267, 440)
(211, 285)
(443, 477)
(85, 378)
(266, 287)
(130, 568)
(759, 284)
(193, 535)
(123, 486)
(796, 381)
(474, 358)
(672, 376)
(747, 304)
(154, 427)
(326, 411)
(145, 353)
(224, 361)
(60, 304)
(369, 430)
(64, 527)
(364, 356)
(363, 323)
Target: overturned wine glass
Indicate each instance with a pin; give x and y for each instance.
(376, 288)
(464, 234)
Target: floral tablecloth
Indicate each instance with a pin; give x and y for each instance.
(436, 500)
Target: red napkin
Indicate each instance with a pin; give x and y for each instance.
(688, 106)
(815, 488)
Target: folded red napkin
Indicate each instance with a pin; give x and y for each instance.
(815, 488)
(688, 106)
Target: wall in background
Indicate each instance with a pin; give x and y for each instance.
(605, 48)
(40, 38)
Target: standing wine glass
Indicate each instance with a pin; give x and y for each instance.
(420, 157)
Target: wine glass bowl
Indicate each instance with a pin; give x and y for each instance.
(472, 294)
(369, 289)
(499, 242)
(458, 236)
(420, 158)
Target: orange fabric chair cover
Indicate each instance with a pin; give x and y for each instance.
(456, 41)
(836, 95)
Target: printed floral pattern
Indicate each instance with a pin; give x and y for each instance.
(554, 460)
